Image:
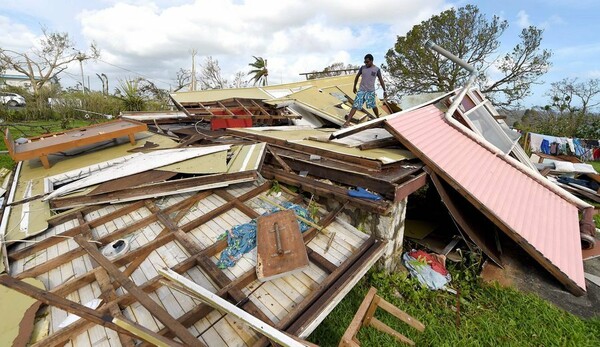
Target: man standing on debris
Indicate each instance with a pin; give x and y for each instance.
(366, 92)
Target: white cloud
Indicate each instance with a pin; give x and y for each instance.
(20, 38)
(523, 19)
(154, 38)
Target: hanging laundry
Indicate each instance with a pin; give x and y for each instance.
(545, 146)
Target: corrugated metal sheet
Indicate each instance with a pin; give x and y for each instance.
(538, 219)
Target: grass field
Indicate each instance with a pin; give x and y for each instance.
(489, 315)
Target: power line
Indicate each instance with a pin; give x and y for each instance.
(137, 73)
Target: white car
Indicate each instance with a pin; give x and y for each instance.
(11, 99)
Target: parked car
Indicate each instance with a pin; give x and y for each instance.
(12, 99)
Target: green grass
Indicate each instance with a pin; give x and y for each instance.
(489, 316)
(595, 164)
(30, 129)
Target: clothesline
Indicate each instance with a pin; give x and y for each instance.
(554, 145)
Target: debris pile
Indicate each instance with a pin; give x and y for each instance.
(158, 228)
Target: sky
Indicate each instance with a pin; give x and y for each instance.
(154, 39)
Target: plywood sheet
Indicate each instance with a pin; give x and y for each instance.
(206, 164)
(19, 313)
(280, 247)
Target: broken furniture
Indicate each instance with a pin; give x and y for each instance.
(280, 247)
(364, 317)
(42, 146)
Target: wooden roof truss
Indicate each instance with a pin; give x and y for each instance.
(180, 233)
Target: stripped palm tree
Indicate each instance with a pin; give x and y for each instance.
(260, 71)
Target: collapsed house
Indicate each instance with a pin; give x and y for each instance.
(119, 228)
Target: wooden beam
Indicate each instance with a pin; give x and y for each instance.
(218, 303)
(140, 259)
(323, 189)
(280, 161)
(338, 288)
(405, 189)
(370, 163)
(108, 292)
(260, 108)
(244, 107)
(77, 309)
(472, 222)
(225, 207)
(226, 109)
(51, 241)
(151, 305)
(248, 211)
(350, 333)
(186, 241)
(236, 294)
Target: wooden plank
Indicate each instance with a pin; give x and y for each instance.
(316, 296)
(280, 248)
(75, 308)
(224, 208)
(158, 189)
(236, 294)
(146, 177)
(180, 235)
(217, 302)
(237, 203)
(137, 164)
(403, 316)
(373, 164)
(140, 295)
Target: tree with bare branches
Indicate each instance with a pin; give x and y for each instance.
(572, 96)
(210, 75)
(51, 56)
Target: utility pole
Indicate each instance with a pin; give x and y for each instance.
(81, 57)
(193, 83)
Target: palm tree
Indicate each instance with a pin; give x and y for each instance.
(260, 71)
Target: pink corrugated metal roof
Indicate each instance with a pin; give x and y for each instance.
(536, 215)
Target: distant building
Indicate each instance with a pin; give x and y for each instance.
(18, 80)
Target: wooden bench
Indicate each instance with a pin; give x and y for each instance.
(44, 145)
